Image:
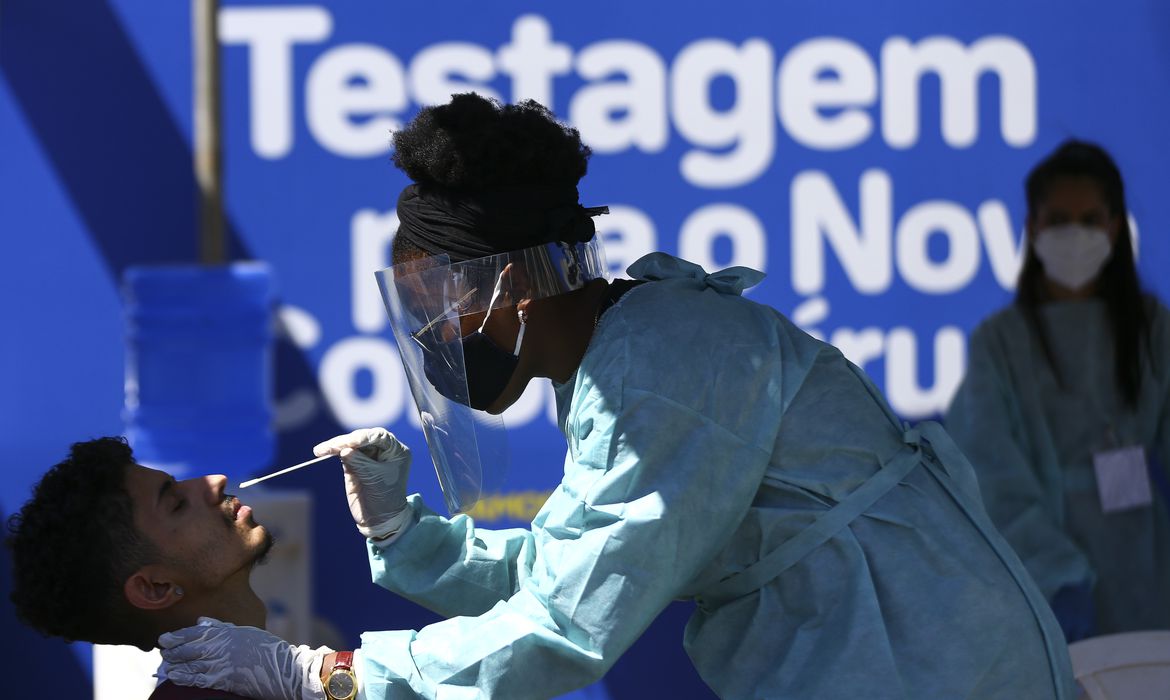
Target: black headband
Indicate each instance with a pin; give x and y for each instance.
(466, 226)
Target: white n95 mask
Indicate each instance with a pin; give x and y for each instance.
(1072, 254)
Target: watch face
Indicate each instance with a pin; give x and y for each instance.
(341, 685)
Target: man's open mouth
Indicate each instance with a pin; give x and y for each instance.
(239, 511)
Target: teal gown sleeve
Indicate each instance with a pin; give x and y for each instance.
(639, 513)
(451, 567)
(985, 419)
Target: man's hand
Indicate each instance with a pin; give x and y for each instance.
(242, 660)
(376, 465)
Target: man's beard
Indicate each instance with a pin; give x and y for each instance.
(261, 556)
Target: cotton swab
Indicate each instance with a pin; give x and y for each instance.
(294, 467)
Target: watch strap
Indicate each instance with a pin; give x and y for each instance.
(343, 661)
(342, 666)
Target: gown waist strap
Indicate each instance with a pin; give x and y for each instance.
(918, 445)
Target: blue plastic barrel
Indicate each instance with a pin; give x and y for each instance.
(199, 368)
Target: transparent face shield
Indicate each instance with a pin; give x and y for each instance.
(439, 311)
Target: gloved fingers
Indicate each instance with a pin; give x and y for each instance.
(168, 640)
(193, 670)
(311, 686)
(335, 445)
(374, 438)
(320, 651)
(367, 469)
(206, 629)
(190, 652)
(184, 676)
(381, 445)
(389, 448)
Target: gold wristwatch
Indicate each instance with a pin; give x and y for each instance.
(342, 683)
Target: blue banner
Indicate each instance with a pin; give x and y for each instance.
(869, 157)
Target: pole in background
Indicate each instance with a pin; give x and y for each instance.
(208, 127)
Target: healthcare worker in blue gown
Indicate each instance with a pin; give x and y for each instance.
(716, 453)
(1065, 409)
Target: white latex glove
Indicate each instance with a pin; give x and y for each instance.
(376, 465)
(243, 660)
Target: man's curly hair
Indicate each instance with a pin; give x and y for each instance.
(475, 143)
(74, 544)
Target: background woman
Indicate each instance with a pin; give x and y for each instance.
(1065, 409)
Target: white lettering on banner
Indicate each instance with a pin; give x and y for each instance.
(864, 251)
(898, 349)
(696, 239)
(746, 128)
(819, 217)
(339, 369)
(810, 314)
(825, 89)
(825, 93)
(805, 91)
(370, 236)
(270, 33)
(860, 346)
(433, 69)
(532, 59)
(617, 115)
(959, 69)
(906, 397)
(962, 261)
(351, 81)
(530, 404)
(296, 409)
(1004, 248)
(627, 234)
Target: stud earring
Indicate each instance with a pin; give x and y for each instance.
(179, 591)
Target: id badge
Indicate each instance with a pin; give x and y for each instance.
(1123, 481)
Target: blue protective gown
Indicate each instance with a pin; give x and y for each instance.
(1032, 442)
(706, 434)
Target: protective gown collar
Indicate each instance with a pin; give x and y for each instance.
(661, 266)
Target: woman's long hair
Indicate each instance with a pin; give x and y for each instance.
(1117, 283)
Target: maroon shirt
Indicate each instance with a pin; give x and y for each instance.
(169, 691)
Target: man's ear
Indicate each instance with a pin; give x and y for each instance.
(152, 588)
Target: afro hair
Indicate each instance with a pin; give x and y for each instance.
(475, 143)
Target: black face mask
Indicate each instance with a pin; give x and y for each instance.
(488, 369)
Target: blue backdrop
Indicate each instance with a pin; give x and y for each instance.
(868, 156)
